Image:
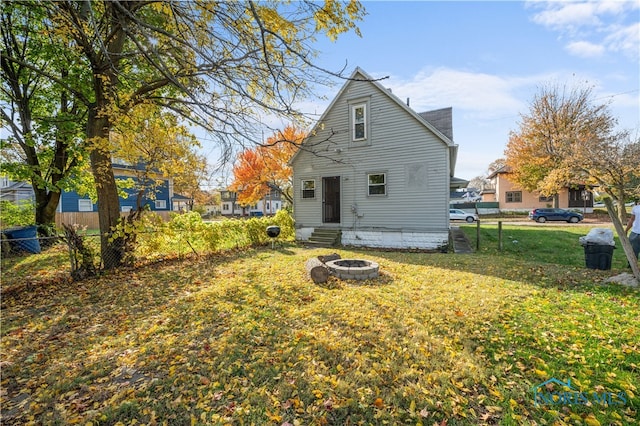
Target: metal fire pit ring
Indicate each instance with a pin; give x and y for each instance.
(354, 269)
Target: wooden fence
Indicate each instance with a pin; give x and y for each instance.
(90, 219)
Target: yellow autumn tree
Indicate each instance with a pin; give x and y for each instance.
(265, 168)
(541, 153)
(159, 147)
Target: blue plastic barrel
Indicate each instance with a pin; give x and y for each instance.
(24, 238)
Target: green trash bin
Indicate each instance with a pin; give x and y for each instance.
(598, 256)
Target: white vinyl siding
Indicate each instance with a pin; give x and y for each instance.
(414, 160)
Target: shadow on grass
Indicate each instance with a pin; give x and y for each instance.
(549, 257)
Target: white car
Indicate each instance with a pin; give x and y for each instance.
(457, 214)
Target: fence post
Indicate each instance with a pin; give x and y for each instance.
(499, 235)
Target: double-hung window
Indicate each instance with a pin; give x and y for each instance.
(377, 183)
(359, 122)
(309, 188)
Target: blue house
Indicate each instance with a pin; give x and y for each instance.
(74, 208)
(159, 200)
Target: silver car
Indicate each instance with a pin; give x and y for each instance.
(457, 214)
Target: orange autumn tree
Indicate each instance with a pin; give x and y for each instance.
(266, 167)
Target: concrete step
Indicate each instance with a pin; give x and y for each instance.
(324, 237)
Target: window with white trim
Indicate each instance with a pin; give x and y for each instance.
(309, 188)
(85, 205)
(359, 122)
(377, 183)
(161, 204)
(126, 209)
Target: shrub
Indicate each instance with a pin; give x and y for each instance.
(187, 232)
(21, 214)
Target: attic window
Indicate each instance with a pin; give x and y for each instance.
(359, 121)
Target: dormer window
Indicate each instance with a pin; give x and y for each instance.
(359, 122)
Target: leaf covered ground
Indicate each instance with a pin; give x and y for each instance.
(247, 338)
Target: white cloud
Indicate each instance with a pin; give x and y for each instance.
(481, 94)
(593, 27)
(625, 40)
(585, 49)
(566, 14)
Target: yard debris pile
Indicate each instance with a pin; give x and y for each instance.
(626, 279)
(599, 236)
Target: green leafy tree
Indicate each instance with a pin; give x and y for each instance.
(219, 64)
(46, 123)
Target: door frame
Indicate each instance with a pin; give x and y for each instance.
(331, 192)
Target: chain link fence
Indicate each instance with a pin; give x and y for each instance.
(81, 254)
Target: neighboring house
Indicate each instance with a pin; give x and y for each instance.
(267, 206)
(511, 198)
(74, 208)
(470, 195)
(376, 170)
(15, 192)
(180, 203)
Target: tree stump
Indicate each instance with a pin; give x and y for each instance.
(317, 270)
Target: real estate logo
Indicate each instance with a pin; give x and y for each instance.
(557, 392)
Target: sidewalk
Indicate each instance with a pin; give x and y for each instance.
(461, 243)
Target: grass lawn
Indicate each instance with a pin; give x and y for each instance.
(246, 338)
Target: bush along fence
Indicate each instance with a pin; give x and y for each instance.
(150, 239)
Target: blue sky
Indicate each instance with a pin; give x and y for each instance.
(487, 60)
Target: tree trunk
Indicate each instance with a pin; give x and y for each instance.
(317, 270)
(46, 205)
(624, 240)
(108, 200)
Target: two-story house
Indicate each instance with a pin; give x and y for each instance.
(74, 208)
(511, 198)
(375, 170)
(268, 205)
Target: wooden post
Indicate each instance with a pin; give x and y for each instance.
(622, 236)
(478, 236)
(499, 235)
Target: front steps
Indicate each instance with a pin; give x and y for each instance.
(324, 238)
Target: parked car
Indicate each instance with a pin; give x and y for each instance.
(543, 215)
(457, 214)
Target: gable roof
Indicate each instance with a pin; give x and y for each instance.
(501, 170)
(441, 119)
(360, 75)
